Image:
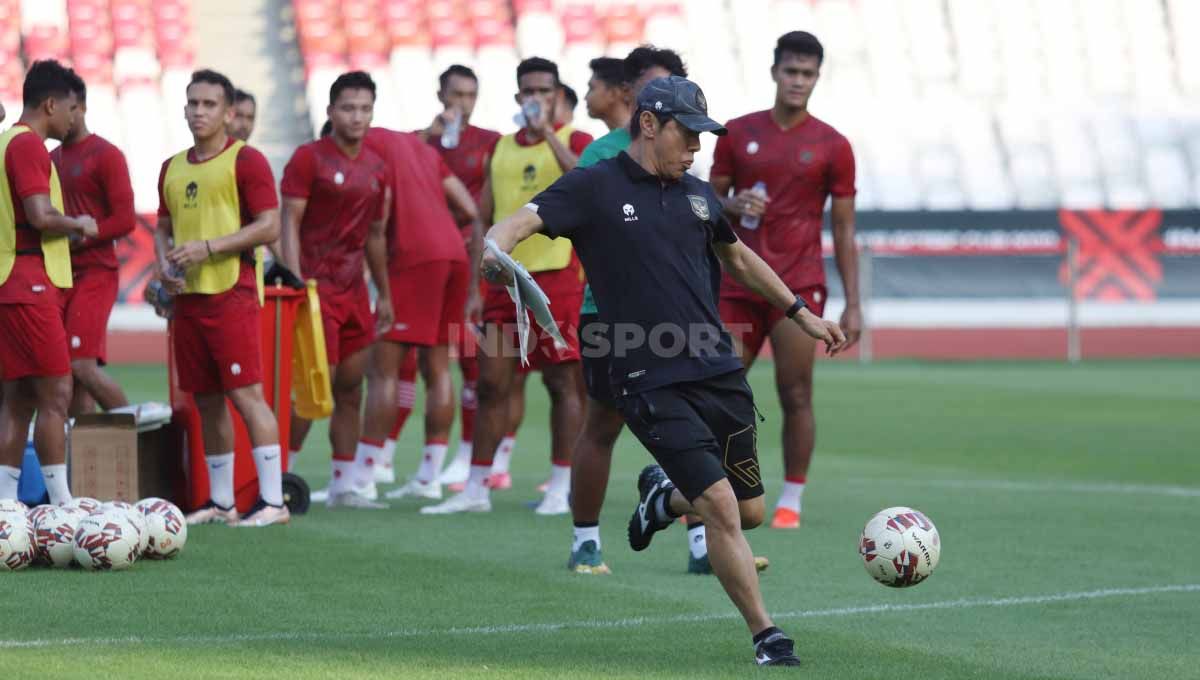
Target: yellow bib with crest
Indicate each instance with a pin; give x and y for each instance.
(203, 201)
(518, 173)
(56, 248)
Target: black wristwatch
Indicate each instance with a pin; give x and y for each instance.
(796, 307)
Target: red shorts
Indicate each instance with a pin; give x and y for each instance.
(750, 319)
(35, 341)
(348, 323)
(218, 347)
(429, 300)
(565, 290)
(86, 308)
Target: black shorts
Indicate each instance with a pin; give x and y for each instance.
(700, 433)
(593, 347)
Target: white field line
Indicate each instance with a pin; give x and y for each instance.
(521, 628)
(1044, 487)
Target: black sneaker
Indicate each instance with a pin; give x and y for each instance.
(652, 485)
(777, 650)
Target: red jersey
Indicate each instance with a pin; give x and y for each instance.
(468, 160)
(95, 181)
(801, 166)
(578, 142)
(345, 195)
(27, 165)
(421, 228)
(256, 194)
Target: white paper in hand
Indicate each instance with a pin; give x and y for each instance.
(527, 295)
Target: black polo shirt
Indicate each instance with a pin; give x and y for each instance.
(647, 248)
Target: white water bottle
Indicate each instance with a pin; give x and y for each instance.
(451, 132)
(751, 221)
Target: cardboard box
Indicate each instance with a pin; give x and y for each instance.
(111, 460)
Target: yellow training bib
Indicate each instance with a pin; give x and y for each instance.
(56, 248)
(518, 173)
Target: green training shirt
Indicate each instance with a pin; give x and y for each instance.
(600, 149)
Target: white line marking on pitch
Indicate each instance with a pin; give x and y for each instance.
(291, 636)
(1050, 487)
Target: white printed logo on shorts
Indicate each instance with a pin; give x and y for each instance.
(236, 369)
(75, 342)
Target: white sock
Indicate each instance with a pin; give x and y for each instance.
(463, 455)
(583, 534)
(697, 541)
(270, 473)
(10, 477)
(503, 457)
(560, 480)
(342, 476)
(56, 483)
(292, 460)
(364, 465)
(431, 462)
(793, 493)
(388, 455)
(475, 486)
(220, 479)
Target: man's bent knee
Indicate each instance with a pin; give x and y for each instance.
(753, 512)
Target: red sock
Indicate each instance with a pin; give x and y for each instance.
(795, 479)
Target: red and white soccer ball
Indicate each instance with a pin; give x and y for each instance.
(35, 513)
(16, 541)
(83, 503)
(138, 520)
(54, 533)
(165, 526)
(900, 547)
(13, 505)
(106, 541)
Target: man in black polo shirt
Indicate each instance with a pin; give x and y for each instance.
(653, 241)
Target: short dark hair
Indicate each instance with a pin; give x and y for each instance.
(327, 128)
(537, 65)
(801, 43)
(78, 86)
(455, 70)
(571, 96)
(211, 77)
(45, 79)
(240, 95)
(609, 70)
(642, 58)
(635, 125)
(352, 80)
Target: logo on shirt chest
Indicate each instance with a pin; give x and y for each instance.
(191, 195)
(699, 206)
(529, 176)
(752, 147)
(339, 178)
(628, 210)
(806, 156)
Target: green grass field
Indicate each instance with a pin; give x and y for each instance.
(1067, 497)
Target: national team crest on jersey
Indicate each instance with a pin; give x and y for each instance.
(191, 192)
(806, 156)
(699, 206)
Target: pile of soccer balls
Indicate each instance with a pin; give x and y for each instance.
(96, 536)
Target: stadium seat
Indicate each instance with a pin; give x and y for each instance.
(538, 30)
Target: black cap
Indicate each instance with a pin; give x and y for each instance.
(681, 99)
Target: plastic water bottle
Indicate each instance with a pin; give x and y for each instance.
(158, 297)
(451, 132)
(751, 221)
(529, 111)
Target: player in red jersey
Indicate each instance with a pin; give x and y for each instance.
(802, 161)
(35, 264)
(334, 194)
(523, 164)
(95, 181)
(433, 287)
(467, 157)
(217, 205)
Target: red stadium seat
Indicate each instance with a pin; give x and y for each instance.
(581, 25)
